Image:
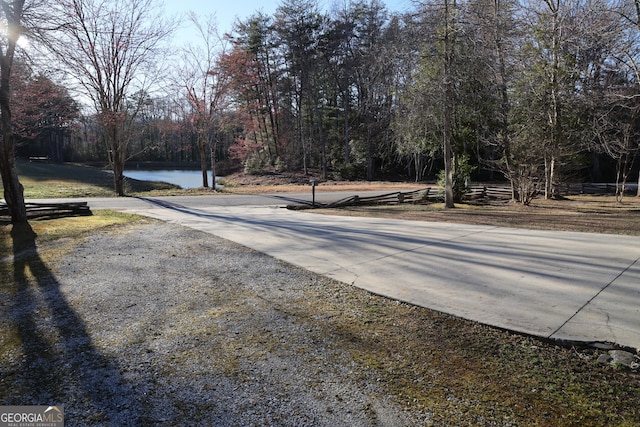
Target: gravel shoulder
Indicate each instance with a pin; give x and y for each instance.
(161, 325)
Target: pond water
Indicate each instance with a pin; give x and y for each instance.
(183, 178)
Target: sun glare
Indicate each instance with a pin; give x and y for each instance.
(23, 42)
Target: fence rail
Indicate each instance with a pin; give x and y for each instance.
(491, 192)
(415, 196)
(595, 188)
(50, 210)
(494, 192)
(504, 191)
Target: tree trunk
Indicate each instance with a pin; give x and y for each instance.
(203, 160)
(547, 179)
(369, 152)
(619, 188)
(319, 112)
(304, 158)
(347, 157)
(13, 189)
(448, 110)
(448, 167)
(554, 113)
(118, 173)
(323, 148)
(552, 177)
(118, 156)
(212, 149)
(504, 99)
(118, 180)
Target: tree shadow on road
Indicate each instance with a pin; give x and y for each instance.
(47, 355)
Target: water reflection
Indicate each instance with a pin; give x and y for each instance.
(183, 178)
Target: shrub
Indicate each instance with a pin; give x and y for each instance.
(462, 171)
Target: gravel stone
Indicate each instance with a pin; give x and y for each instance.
(164, 325)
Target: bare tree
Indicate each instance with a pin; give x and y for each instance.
(560, 35)
(110, 47)
(616, 129)
(11, 17)
(629, 50)
(207, 87)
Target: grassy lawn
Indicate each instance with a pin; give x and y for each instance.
(50, 180)
(63, 228)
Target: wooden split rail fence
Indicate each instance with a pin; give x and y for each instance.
(492, 192)
(427, 195)
(475, 193)
(49, 210)
(596, 188)
(416, 196)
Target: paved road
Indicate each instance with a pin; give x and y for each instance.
(559, 285)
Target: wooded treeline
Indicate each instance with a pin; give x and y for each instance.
(537, 92)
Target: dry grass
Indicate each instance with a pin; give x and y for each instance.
(49, 180)
(595, 214)
(244, 184)
(62, 228)
(464, 373)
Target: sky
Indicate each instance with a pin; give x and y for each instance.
(226, 11)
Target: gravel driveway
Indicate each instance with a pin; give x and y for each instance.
(156, 324)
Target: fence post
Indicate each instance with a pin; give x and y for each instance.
(313, 192)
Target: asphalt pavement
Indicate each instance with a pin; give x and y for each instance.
(568, 286)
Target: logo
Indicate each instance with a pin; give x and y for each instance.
(32, 416)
